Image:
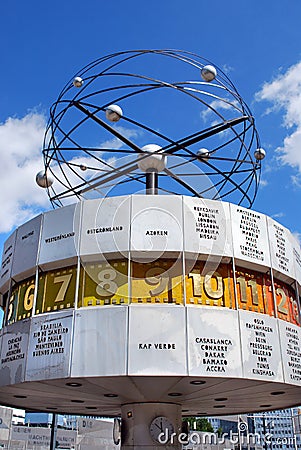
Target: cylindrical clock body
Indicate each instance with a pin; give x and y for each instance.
(150, 426)
(152, 299)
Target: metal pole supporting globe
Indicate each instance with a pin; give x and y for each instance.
(208, 73)
(155, 162)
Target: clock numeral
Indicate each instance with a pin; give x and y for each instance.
(65, 280)
(107, 284)
(28, 297)
(214, 293)
(159, 276)
(11, 308)
(282, 308)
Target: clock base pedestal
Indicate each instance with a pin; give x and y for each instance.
(151, 426)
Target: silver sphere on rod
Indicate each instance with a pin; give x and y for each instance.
(154, 163)
(208, 73)
(260, 154)
(44, 180)
(78, 82)
(203, 154)
(114, 113)
(85, 130)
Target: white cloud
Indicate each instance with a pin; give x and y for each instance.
(21, 159)
(296, 180)
(297, 236)
(97, 162)
(227, 69)
(21, 142)
(116, 143)
(278, 215)
(263, 183)
(218, 105)
(284, 93)
(76, 176)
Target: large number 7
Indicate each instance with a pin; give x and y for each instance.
(65, 280)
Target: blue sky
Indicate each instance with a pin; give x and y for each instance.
(44, 43)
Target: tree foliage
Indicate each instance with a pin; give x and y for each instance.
(199, 424)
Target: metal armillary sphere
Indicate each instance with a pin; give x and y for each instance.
(166, 115)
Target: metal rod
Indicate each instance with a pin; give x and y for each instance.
(182, 182)
(107, 127)
(53, 432)
(152, 183)
(200, 136)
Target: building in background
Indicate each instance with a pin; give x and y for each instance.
(66, 421)
(281, 428)
(275, 429)
(18, 416)
(18, 430)
(31, 431)
(40, 419)
(228, 424)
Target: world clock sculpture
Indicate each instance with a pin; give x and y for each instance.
(151, 291)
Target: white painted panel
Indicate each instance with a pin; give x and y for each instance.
(157, 340)
(207, 227)
(105, 226)
(7, 261)
(14, 353)
(297, 257)
(290, 337)
(213, 342)
(60, 235)
(38, 437)
(49, 348)
(260, 347)
(250, 236)
(156, 224)
(100, 342)
(281, 248)
(26, 248)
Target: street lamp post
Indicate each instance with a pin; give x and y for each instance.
(53, 432)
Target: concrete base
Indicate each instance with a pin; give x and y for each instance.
(141, 431)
